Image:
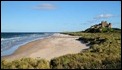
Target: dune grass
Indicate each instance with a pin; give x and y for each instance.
(104, 53)
(25, 63)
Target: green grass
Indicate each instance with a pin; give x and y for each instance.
(104, 53)
(102, 30)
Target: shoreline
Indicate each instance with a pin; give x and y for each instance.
(14, 48)
(48, 48)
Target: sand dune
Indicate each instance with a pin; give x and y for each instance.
(48, 48)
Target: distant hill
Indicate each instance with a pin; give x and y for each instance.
(102, 27)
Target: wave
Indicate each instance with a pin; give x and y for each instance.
(8, 43)
(2, 39)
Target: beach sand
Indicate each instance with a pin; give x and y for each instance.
(49, 48)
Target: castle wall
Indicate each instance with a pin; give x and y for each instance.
(103, 24)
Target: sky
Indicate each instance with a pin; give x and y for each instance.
(57, 16)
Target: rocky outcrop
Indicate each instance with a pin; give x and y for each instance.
(101, 27)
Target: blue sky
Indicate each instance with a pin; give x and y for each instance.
(57, 16)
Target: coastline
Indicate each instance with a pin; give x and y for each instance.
(48, 48)
(14, 47)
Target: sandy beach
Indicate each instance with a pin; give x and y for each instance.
(49, 48)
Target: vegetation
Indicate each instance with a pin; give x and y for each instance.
(25, 63)
(104, 53)
(102, 30)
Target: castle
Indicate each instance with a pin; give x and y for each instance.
(102, 25)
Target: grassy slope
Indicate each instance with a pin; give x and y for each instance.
(104, 53)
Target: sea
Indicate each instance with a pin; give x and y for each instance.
(11, 41)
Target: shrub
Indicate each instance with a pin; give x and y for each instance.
(25, 63)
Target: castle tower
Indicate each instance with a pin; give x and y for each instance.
(102, 23)
(109, 25)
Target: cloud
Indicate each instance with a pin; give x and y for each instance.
(46, 6)
(104, 16)
(100, 17)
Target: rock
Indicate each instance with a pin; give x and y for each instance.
(101, 27)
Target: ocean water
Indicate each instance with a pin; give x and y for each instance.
(11, 41)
